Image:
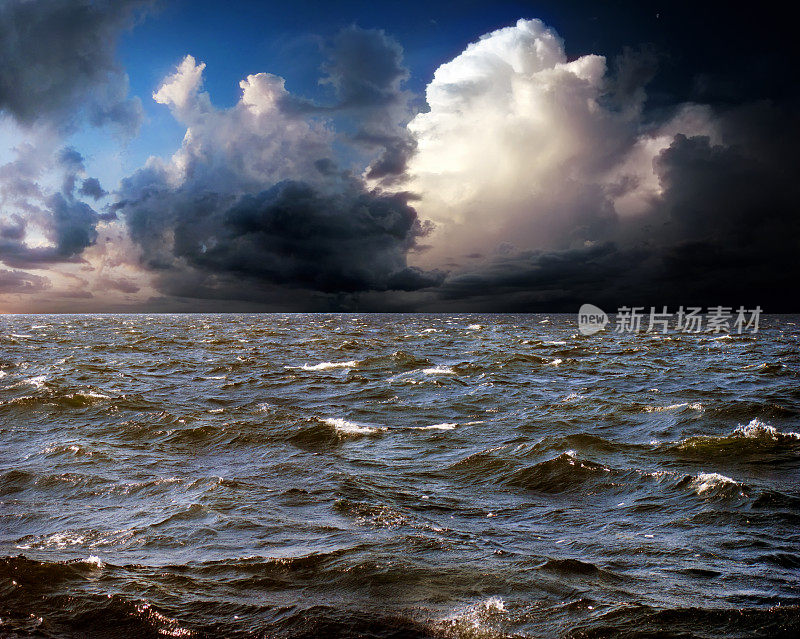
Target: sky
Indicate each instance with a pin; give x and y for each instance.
(177, 156)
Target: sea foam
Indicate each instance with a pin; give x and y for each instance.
(344, 427)
(323, 366)
(706, 482)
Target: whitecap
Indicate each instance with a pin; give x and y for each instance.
(443, 426)
(57, 540)
(705, 482)
(757, 429)
(475, 327)
(658, 409)
(345, 427)
(323, 366)
(556, 362)
(37, 381)
(89, 394)
(94, 560)
(494, 604)
(439, 370)
(474, 621)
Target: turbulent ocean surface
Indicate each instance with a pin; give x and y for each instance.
(396, 476)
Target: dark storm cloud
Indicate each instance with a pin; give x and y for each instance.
(253, 207)
(71, 227)
(735, 209)
(393, 161)
(91, 188)
(633, 69)
(14, 229)
(293, 234)
(58, 60)
(365, 68)
(519, 281)
(119, 284)
(65, 221)
(15, 282)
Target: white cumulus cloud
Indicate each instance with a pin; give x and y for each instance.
(522, 146)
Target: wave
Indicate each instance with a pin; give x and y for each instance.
(769, 368)
(444, 426)
(639, 620)
(757, 429)
(379, 516)
(696, 406)
(37, 382)
(48, 601)
(398, 360)
(49, 395)
(522, 358)
(587, 441)
(439, 370)
(569, 567)
(568, 472)
(752, 438)
(560, 474)
(477, 621)
(73, 449)
(324, 366)
(563, 473)
(349, 429)
(332, 431)
(715, 484)
(83, 597)
(76, 538)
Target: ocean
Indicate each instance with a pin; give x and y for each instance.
(390, 476)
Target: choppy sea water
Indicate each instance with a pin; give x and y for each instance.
(396, 476)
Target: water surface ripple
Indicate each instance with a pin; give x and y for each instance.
(395, 476)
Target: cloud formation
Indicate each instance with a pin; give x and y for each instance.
(521, 145)
(19, 282)
(254, 199)
(550, 185)
(59, 62)
(365, 67)
(533, 181)
(41, 225)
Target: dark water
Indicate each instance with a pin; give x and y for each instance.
(395, 476)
